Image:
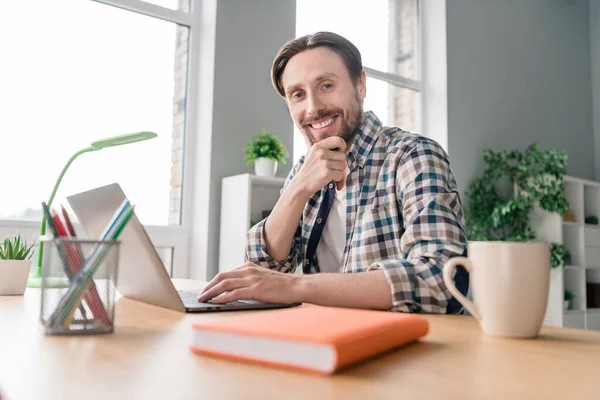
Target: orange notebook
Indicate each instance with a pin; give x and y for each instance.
(310, 338)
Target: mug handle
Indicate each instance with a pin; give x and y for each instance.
(449, 268)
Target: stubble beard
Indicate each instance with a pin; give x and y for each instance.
(350, 123)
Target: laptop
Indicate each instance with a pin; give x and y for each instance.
(142, 276)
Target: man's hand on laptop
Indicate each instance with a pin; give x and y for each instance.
(250, 281)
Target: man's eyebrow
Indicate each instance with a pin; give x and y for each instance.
(326, 75)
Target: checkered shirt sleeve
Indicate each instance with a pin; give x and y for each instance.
(434, 230)
(256, 244)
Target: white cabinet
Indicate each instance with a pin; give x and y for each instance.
(244, 199)
(583, 242)
(574, 319)
(593, 320)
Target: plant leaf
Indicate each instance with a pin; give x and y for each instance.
(28, 253)
(9, 250)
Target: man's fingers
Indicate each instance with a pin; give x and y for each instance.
(224, 286)
(234, 295)
(221, 276)
(335, 155)
(336, 165)
(333, 142)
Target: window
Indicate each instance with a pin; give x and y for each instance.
(82, 71)
(386, 33)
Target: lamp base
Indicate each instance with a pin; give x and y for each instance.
(36, 282)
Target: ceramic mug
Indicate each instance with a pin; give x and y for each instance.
(510, 283)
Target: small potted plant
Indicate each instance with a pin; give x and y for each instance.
(569, 298)
(265, 151)
(15, 264)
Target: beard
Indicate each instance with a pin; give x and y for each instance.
(350, 122)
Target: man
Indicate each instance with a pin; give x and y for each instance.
(371, 213)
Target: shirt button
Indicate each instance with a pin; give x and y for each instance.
(331, 186)
(306, 262)
(361, 160)
(319, 220)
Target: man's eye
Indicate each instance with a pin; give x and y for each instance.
(297, 95)
(328, 86)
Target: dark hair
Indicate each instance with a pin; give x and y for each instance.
(349, 53)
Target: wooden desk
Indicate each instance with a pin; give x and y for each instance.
(148, 357)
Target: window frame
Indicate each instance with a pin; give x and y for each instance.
(175, 236)
(401, 81)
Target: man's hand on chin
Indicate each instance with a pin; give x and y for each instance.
(250, 281)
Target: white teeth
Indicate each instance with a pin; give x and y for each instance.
(323, 124)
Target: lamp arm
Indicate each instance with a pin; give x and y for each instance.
(50, 200)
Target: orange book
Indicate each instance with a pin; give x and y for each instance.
(309, 338)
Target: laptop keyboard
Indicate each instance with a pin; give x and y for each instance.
(188, 295)
(192, 298)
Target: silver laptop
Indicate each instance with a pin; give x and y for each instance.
(142, 275)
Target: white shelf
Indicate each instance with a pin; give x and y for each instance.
(244, 198)
(586, 182)
(583, 242)
(575, 267)
(574, 312)
(589, 226)
(266, 181)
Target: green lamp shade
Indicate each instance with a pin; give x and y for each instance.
(35, 279)
(122, 139)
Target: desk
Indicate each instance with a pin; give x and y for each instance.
(148, 357)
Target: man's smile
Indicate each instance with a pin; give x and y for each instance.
(322, 125)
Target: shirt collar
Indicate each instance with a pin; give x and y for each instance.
(366, 136)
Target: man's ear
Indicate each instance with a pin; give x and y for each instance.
(361, 85)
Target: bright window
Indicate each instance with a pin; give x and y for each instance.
(82, 71)
(76, 71)
(386, 33)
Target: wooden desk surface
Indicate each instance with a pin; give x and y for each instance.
(148, 357)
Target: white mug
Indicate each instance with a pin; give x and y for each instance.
(510, 283)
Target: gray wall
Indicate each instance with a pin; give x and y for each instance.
(595, 62)
(518, 73)
(248, 36)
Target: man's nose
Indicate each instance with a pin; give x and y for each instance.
(315, 105)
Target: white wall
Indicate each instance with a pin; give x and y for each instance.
(595, 67)
(518, 72)
(245, 39)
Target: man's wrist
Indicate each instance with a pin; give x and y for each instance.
(298, 191)
(302, 288)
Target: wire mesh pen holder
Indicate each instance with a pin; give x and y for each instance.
(79, 280)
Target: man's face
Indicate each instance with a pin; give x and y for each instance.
(323, 100)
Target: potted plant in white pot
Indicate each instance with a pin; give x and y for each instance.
(265, 151)
(15, 264)
(569, 299)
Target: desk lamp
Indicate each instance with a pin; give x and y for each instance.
(35, 280)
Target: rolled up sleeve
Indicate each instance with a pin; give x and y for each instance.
(434, 231)
(256, 243)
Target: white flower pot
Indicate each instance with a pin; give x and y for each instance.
(566, 304)
(264, 166)
(13, 276)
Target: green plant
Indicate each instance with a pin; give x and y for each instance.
(265, 145)
(569, 295)
(15, 249)
(514, 183)
(559, 256)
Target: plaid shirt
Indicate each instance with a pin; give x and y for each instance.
(404, 216)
